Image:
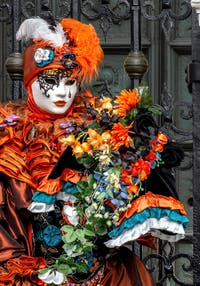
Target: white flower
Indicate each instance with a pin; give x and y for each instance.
(104, 160)
(71, 251)
(71, 214)
(41, 55)
(52, 276)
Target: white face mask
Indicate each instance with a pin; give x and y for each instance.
(54, 94)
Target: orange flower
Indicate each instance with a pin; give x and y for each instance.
(151, 156)
(126, 177)
(133, 189)
(141, 168)
(143, 175)
(158, 147)
(120, 136)
(127, 100)
(162, 138)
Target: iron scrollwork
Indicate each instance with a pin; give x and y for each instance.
(106, 14)
(166, 16)
(66, 7)
(168, 106)
(5, 7)
(166, 259)
(26, 8)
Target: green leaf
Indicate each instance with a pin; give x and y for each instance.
(94, 126)
(110, 193)
(101, 196)
(88, 232)
(80, 234)
(67, 228)
(82, 186)
(69, 237)
(79, 211)
(86, 159)
(43, 271)
(91, 181)
(82, 268)
(65, 269)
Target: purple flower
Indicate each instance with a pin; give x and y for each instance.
(68, 126)
(10, 120)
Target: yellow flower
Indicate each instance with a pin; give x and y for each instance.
(106, 137)
(69, 140)
(94, 139)
(86, 147)
(106, 103)
(78, 150)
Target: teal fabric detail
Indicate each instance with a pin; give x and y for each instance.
(51, 235)
(69, 188)
(158, 213)
(44, 198)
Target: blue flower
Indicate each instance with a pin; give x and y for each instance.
(43, 57)
(51, 235)
(118, 203)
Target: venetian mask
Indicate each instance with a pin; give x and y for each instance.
(54, 91)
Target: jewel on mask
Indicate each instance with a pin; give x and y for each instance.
(43, 57)
(69, 95)
(69, 61)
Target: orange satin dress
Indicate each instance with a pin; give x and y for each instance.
(25, 163)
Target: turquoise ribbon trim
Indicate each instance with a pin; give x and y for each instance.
(40, 197)
(158, 213)
(69, 188)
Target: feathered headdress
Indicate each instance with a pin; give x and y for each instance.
(68, 45)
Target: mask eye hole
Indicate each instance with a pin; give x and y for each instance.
(70, 82)
(50, 81)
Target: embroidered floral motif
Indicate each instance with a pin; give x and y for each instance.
(43, 57)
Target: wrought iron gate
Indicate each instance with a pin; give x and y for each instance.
(161, 32)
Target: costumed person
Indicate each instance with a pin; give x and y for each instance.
(80, 176)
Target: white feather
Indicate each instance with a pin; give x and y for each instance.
(38, 29)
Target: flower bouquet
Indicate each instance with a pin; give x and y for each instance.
(118, 150)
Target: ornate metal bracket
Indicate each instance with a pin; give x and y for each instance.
(166, 16)
(105, 13)
(168, 106)
(166, 260)
(196, 4)
(6, 10)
